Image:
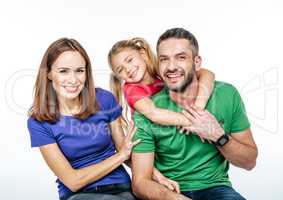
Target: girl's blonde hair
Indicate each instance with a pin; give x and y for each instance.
(138, 44)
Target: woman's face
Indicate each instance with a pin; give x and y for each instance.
(129, 65)
(68, 75)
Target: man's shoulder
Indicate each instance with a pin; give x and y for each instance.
(224, 87)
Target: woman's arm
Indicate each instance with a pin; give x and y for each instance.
(118, 137)
(76, 179)
(206, 84)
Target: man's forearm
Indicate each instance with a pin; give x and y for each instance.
(240, 155)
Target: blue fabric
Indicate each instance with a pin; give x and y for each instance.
(83, 142)
(214, 193)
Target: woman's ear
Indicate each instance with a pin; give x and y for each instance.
(197, 62)
(49, 76)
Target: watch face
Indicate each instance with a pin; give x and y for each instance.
(223, 141)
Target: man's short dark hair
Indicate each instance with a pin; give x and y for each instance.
(180, 33)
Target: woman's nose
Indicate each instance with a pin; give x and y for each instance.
(72, 77)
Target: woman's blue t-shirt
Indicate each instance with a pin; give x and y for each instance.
(83, 142)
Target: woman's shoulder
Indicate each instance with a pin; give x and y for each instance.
(34, 124)
(105, 98)
(102, 94)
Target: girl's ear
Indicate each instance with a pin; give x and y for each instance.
(143, 54)
(197, 62)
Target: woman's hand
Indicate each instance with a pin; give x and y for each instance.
(170, 184)
(127, 145)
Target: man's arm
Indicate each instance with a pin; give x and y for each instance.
(241, 150)
(143, 185)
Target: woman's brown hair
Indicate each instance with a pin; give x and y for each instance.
(45, 105)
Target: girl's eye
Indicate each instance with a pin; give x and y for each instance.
(130, 60)
(120, 70)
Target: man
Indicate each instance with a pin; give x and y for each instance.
(201, 169)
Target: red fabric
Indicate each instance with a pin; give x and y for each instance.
(135, 92)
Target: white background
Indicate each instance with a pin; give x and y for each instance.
(241, 41)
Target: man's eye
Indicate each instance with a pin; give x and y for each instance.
(63, 71)
(81, 70)
(162, 59)
(182, 57)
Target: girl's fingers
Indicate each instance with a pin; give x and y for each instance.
(198, 110)
(202, 139)
(189, 116)
(193, 112)
(176, 186)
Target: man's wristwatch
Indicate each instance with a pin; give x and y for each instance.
(224, 139)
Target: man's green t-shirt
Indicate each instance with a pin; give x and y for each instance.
(184, 158)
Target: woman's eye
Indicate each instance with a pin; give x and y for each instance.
(63, 71)
(81, 70)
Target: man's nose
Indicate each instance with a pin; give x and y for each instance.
(171, 65)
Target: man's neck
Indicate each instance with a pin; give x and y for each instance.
(188, 96)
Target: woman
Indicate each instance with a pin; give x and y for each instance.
(77, 128)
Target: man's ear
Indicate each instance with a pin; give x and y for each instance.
(197, 62)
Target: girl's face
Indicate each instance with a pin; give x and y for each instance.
(130, 66)
(68, 75)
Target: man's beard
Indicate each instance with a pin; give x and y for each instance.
(185, 84)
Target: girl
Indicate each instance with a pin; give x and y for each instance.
(135, 73)
(76, 127)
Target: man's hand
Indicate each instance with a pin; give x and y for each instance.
(204, 124)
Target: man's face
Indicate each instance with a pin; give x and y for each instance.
(176, 63)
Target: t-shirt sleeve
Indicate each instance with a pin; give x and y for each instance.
(145, 133)
(109, 105)
(133, 93)
(39, 134)
(240, 120)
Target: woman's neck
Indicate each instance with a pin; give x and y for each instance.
(69, 107)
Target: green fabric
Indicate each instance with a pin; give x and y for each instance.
(184, 158)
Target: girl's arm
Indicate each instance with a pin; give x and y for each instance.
(206, 84)
(166, 117)
(160, 116)
(76, 179)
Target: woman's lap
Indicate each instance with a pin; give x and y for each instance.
(99, 196)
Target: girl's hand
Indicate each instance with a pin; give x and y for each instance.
(127, 146)
(204, 124)
(170, 184)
